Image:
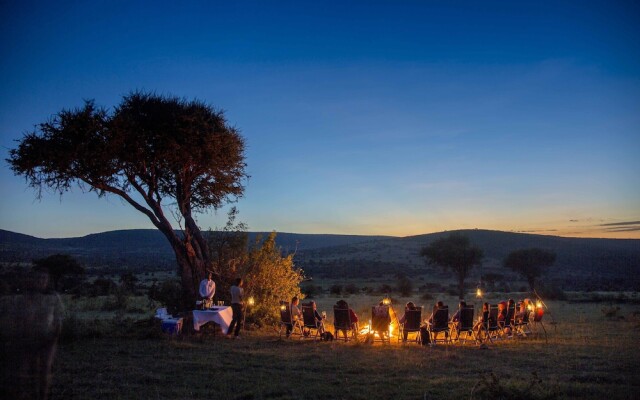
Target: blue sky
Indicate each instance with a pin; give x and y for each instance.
(360, 117)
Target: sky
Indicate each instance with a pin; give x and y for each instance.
(360, 117)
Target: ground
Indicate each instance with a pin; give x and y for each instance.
(588, 355)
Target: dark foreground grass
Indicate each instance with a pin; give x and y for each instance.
(585, 358)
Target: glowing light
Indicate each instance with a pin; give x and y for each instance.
(538, 304)
(530, 307)
(479, 293)
(251, 301)
(386, 301)
(282, 307)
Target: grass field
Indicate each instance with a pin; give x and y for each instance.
(587, 356)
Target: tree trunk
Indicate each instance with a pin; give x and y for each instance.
(532, 281)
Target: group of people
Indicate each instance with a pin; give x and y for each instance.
(208, 290)
(485, 318)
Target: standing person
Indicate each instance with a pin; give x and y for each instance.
(237, 292)
(207, 290)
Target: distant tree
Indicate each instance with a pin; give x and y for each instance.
(405, 286)
(59, 266)
(456, 253)
(491, 279)
(162, 155)
(530, 263)
(351, 289)
(335, 289)
(228, 248)
(128, 282)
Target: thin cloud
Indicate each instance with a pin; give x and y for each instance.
(622, 223)
(630, 229)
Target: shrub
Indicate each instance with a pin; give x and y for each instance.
(270, 278)
(311, 290)
(351, 289)
(169, 294)
(551, 292)
(335, 289)
(405, 286)
(426, 296)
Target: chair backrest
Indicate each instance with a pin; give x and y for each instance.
(413, 319)
(341, 318)
(511, 314)
(308, 316)
(285, 312)
(493, 316)
(466, 318)
(380, 318)
(538, 314)
(441, 318)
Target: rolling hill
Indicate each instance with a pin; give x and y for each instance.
(580, 262)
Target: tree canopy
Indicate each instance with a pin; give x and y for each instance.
(530, 263)
(162, 155)
(456, 253)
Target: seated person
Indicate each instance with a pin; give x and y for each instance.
(381, 319)
(438, 306)
(502, 312)
(352, 315)
(409, 307)
(483, 319)
(455, 319)
(296, 314)
(318, 318)
(521, 313)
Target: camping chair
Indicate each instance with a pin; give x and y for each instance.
(342, 322)
(439, 325)
(537, 320)
(380, 323)
(490, 327)
(309, 323)
(411, 324)
(287, 320)
(521, 326)
(465, 325)
(508, 321)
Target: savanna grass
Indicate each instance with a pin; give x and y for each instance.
(586, 356)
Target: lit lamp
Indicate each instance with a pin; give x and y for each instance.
(479, 293)
(386, 301)
(538, 304)
(251, 301)
(282, 307)
(530, 307)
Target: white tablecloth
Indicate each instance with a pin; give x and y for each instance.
(220, 315)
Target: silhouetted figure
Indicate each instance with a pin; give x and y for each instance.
(31, 323)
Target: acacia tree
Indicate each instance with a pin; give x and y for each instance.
(456, 253)
(530, 263)
(162, 155)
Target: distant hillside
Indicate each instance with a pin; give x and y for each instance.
(581, 263)
(145, 249)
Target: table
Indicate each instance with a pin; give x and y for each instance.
(221, 315)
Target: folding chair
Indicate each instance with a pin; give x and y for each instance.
(465, 325)
(490, 325)
(508, 321)
(287, 320)
(521, 326)
(440, 325)
(413, 318)
(310, 323)
(342, 322)
(380, 323)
